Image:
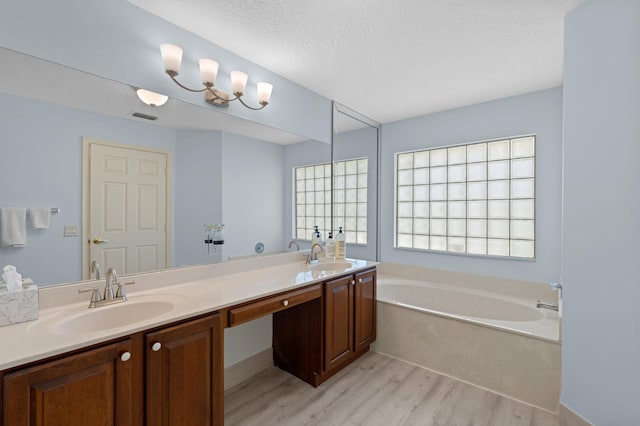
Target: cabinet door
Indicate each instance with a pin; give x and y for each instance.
(88, 388)
(365, 309)
(338, 321)
(185, 381)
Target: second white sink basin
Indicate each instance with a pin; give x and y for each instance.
(338, 265)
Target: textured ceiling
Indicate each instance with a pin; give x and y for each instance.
(389, 59)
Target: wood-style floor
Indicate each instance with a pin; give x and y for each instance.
(374, 390)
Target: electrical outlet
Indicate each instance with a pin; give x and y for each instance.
(71, 230)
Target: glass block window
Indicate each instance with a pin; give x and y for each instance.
(350, 199)
(477, 198)
(313, 199)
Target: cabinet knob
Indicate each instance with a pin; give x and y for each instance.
(156, 346)
(285, 303)
(126, 356)
(353, 282)
(360, 280)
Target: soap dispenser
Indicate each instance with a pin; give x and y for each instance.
(330, 250)
(316, 237)
(341, 244)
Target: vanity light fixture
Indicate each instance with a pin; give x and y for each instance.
(172, 58)
(151, 98)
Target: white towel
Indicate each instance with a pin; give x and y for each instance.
(13, 226)
(40, 217)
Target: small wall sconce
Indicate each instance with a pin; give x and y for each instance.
(172, 59)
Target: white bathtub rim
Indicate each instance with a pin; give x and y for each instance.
(546, 329)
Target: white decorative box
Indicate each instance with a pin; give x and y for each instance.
(18, 306)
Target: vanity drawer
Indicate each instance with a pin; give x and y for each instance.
(273, 304)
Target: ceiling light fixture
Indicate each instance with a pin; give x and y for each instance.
(172, 58)
(151, 98)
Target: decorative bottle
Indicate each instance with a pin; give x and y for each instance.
(330, 249)
(341, 244)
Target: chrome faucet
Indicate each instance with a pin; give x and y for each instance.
(109, 296)
(547, 306)
(313, 256)
(294, 243)
(112, 278)
(95, 268)
(553, 307)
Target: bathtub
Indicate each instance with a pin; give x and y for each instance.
(481, 330)
(517, 315)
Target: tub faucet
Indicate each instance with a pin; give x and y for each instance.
(294, 243)
(547, 306)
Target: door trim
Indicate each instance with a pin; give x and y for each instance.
(84, 235)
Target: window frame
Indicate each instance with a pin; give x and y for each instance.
(487, 199)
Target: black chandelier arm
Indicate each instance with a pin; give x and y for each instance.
(173, 77)
(250, 107)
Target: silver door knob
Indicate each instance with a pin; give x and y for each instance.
(156, 346)
(126, 356)
(285, 303)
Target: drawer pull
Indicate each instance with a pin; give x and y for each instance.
(156, 346)
(285, 303)
(126, 356)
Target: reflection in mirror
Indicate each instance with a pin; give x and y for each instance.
(220, 169)
(355, 147)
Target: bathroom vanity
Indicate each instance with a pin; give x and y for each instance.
(170, 370)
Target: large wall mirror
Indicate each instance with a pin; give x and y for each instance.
(355, 153)
(221, 169)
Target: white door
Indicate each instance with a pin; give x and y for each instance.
(127, 208)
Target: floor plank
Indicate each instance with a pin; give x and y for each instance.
(374, 390)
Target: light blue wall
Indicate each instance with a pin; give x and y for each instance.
(197, 195)
(539, 113)
(601, 227)
(119, 41)
(253, 195)
(41, 147)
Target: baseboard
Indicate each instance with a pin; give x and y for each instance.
(570, 418)
(242, 370)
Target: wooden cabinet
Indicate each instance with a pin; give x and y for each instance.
(180, 374)
(94, 387)
(185, 381)
(350, 317)
(338, 321)
(365, 310)
(316, 340)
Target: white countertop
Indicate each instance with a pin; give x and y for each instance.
(192, 291)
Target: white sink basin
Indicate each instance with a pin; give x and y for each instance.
(338, 265)
(89, 320)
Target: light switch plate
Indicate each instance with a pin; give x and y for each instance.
(71, 230)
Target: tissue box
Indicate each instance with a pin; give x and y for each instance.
(18, 306)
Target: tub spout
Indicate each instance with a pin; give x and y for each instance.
(547, 306)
